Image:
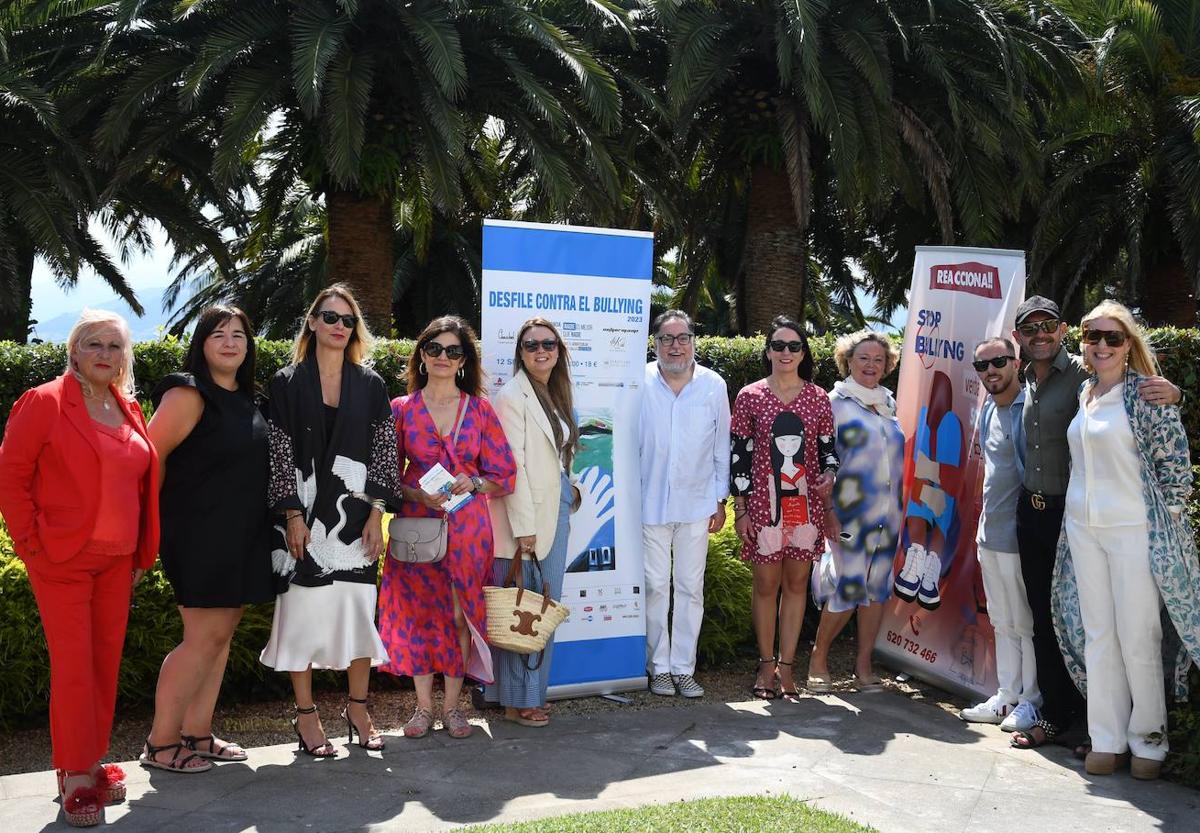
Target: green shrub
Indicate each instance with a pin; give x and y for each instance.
(727, 630)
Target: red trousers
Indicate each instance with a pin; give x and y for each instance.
(84, 603)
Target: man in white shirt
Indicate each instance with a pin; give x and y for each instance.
(685, 481)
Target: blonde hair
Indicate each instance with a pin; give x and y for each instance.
(91, 320)
(358, 347)
(846, 345)
(1141, 357)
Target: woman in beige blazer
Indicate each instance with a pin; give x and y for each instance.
(537, 411)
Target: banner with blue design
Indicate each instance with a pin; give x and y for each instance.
(941, 631)
(594, 285)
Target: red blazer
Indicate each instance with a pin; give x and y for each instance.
(50, 474)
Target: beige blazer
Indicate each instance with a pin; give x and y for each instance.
(532, 508)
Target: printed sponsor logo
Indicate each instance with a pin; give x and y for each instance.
(976, 278)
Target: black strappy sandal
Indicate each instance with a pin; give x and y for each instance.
(762, 692)
(375, 742)
(216, 751)
(325, 750)
(794, 693)
(1027, 740)
(178, 763)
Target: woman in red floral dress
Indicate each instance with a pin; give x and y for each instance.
(432, 616)
(782, 467)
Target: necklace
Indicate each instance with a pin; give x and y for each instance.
(103, 400)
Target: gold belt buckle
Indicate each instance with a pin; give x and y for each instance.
(1039, 502)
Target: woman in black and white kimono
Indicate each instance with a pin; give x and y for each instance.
(333, 473)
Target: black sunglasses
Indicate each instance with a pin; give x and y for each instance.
(434, 349)
(780, 346)
(997, 362)
(667, 340)
(330, 317)
(1032, 328)
(1113, 338)
(531, 345)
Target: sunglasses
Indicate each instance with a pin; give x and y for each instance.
(532, 345)
(997, 362)
(1113, 338)
(780, 346)
(683, 340)
(433, 349)
(330, 317)
(1031, 329)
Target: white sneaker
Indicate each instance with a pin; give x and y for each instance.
(992, 710)
(928, 595)
(662, 684)
(686, 685)
(908, 581)
(1022, 718)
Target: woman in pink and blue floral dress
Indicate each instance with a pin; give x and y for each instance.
(432, 616)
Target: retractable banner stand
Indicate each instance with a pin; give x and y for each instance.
(594, 285)
(959, 297)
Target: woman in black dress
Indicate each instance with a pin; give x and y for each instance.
(212, 445)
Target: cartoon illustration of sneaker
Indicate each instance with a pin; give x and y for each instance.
(928, 595)
(908, 582)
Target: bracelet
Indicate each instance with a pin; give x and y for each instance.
(379, 506)
(289, 516)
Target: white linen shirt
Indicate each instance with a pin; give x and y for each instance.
(1105, 488)
(684, 447)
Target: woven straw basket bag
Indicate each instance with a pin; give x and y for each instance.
(521, 620)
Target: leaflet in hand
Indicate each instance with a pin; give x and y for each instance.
(438, 481)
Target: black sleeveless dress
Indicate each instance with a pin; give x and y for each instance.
(216, 532)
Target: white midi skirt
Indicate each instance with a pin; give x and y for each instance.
(324, 627)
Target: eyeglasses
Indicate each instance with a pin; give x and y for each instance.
(330, 317)
(683, 340)
(1034, 327)
(433, 349)
(997, 362)
(1113, 338)
(532, 345)
(780, 346)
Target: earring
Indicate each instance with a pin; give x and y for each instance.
(422, 368)
(462, 372)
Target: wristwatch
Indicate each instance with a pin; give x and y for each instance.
(477, 482)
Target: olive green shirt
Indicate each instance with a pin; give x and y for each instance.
(1049, 408)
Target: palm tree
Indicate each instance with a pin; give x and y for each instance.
(863, 101)
(1122, 212)
(367, 100)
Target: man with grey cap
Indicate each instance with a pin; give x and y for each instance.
(1052, 379)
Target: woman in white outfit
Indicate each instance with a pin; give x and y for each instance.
(1125, 548)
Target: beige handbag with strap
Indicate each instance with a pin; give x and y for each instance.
(521, 620)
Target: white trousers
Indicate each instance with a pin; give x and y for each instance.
(674, 653)
(1008, 610)
(1119, 604)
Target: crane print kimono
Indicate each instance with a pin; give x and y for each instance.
(330, 479)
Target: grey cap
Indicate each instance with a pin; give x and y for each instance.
(1036, 303)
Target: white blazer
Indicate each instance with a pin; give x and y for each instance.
(532, 508)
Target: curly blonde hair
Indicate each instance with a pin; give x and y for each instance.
(846, 345)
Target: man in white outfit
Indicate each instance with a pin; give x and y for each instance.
(1002, 440)
(685, 481)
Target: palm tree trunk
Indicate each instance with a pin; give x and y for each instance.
(775, 258)
(361, 255)
(15, 312)
(1168, 295)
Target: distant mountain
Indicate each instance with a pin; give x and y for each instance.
(146, 328)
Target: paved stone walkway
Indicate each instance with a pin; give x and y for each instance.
(889, 762)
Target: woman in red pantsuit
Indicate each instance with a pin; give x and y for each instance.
(79, 492)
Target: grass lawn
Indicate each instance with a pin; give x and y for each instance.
(747, 814)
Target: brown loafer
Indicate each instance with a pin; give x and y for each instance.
(1105, 763)
(1145, 769)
